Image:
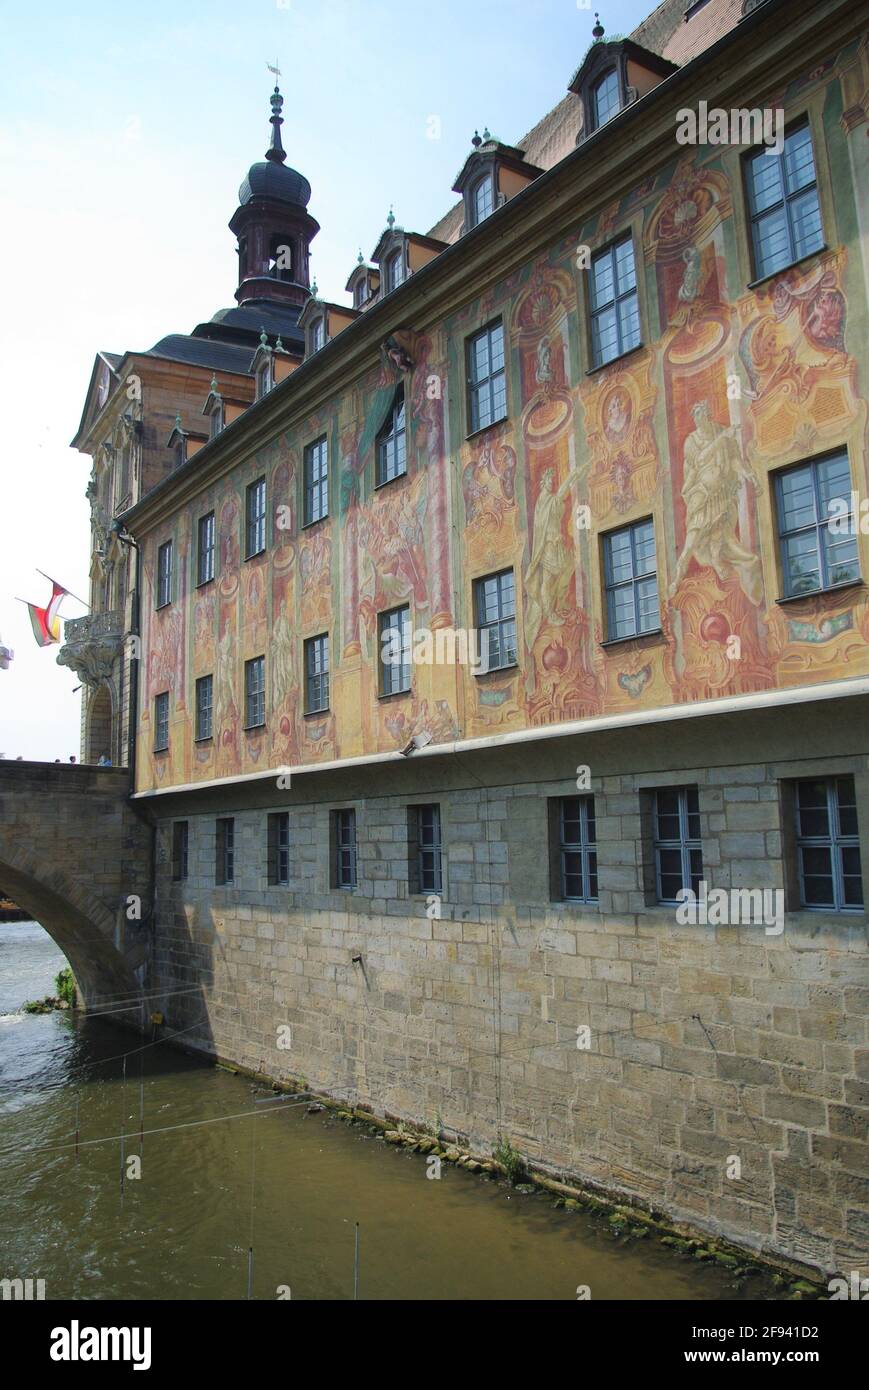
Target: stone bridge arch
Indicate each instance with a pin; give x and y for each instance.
(73, 852)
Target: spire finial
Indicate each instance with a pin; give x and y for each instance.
(214, 383)
(276, 152)
(264, 342)
(598, 30)
(279, 347)
(390, 221)
(486, 133)
(178, 424)
(360, 259)
(314, 290)
(477, 140)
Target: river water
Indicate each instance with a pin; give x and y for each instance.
(268, 1175)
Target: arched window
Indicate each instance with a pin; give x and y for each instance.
(605, 98)
(395, 269)
(392, 443)
(482, 199)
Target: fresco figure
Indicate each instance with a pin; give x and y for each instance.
(224, 704)
(714, 474)
(282, 647)
(551, 564)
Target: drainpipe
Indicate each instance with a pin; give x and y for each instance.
(125, 538)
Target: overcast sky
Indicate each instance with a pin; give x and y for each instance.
(125, 131)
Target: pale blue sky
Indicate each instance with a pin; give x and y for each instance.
(125, 130)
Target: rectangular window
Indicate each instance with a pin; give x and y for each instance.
(344, 849)
(631, 581)
(391, 444)
(577, 850)
(828, 845)
(224, 868)
(783, 204)
(678, 850)
(495, 602)
(255, 692)
(204, 706)
(615, 308)
(395, 641)
(816, 525)
(164, 575)
(205, 550)
(487, 377)
(316, 480)
(317, 674)
(426, 868)
(256, 518)
(180, 841)
(161, 722)
(279, 848)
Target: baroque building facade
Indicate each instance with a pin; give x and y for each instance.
(503, 684)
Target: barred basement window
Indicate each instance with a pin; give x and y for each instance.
(615, 309)
(426, 874)
(828, 845)
(344, 849)
(180, 840)
(495, 601)
(161, 722)
(164, 575)
(783, 203)
(225, 850)
(678, 850)
(204, 706)
(316, 481)
(205, 549)
(279, 847)
(577, 849)
(395, 651)
(487, 377)
(317, 674)
(255, 692)
(256, 518)
(391, 444)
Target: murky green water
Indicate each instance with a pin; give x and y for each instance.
(269, 1175)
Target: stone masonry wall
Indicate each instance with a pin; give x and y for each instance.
(706, 1042)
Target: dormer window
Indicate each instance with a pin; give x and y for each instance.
(263, 379)
(360, 293)
(215, 422)
(395, 270)
(482, 200)
(605, 98)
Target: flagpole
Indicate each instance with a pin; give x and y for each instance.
(65, 590)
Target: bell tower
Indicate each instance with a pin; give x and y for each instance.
(273, 226)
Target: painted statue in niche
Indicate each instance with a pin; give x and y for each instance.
(623, 456)
(551, 566)
(225, 709)
(489, 484)
(714, 475)
(315, 574)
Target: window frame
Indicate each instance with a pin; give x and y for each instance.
(610, 586)
(165, 574)
(475, 386)
(500, 622)
(385, 687)
(619, 297)
(310, 485)
(759, 272)
(391, 436)
(395, 262)
(322, 676)
(432, 846)
(161, 721)
(345, 842)
(686, 844)
(206, 552)
(595, 86)
(585, 847)
(484, 179)
(834, 841)
(224, 867)
(819, 525)
(255, 664)
(199, 736)
(255, 520)
(279, 849)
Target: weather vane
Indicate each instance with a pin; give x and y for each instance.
(276, 70)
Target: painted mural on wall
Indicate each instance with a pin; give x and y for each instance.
(730, 385)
